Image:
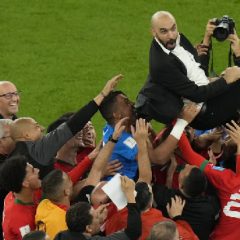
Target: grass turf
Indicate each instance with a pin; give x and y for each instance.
(60, 53)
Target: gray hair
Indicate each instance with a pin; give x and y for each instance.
(4, 122)
(164, 230)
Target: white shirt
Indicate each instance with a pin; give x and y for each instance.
(194, 72)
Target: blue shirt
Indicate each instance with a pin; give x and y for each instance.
(125, 151)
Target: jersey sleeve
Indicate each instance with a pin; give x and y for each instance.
(218, 176)
(76, 173)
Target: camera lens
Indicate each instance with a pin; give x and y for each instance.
(221, 34)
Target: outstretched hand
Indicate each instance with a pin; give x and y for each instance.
(141, 131)
(111, 84)
(119, 128)
(176, 207)
(189, 112)
(128, 187)
(233, 130)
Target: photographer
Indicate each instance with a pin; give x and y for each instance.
(205, 47)
(176, 76)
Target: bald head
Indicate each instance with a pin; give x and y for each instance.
(26, 129)
(160, 15)
(98, 196)
(164, 29)
(9, 99)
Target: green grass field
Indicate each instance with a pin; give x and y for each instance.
(60, 53)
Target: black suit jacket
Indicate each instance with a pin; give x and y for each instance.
(167, 82)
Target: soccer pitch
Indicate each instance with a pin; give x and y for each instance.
(60, 53)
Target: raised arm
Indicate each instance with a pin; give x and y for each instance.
(140, 134)
(45, 149)
(101, 161)
(161, 154)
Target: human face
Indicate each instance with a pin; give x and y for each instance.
(34, 130)
(164, 28)
(124, 108)
(9, 100)
(6, 142)
(89, 135)
(99, 216)
(32, 180)
(85, 138)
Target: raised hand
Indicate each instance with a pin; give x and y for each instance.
(141, 131)
(176, 207)
(189, 112)
(113, 168)
(119, 128)
(128, 187)
(233, 130)
(111, 84)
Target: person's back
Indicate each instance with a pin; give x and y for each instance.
(51, 217)
(119, 221)
(51, 212)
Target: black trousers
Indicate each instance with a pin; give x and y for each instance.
(219, 110)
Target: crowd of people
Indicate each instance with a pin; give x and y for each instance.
(180, 183)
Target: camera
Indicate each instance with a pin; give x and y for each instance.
(224, 27)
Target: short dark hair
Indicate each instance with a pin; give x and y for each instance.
(35, 235)
(13, 172)
(164, 230)
(144, 196)
(78, 217)
(195, 183)
(108, 105)
(62, 119)
(52, 184)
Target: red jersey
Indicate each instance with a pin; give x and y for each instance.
(227, 184)
(119, 221)
(67, 167)
(18, 217)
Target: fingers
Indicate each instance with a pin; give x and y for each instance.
(121, 122)
(114, 167)
(133, 131)
(114, 81)
(111, 84)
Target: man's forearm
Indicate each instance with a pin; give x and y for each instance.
(80, 118)
(134, 223)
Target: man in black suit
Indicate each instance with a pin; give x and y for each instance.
(176, 76)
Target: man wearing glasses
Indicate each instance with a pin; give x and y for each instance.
(9, 100)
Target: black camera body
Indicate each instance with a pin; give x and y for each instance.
(224, 27)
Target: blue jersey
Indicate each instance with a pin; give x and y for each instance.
(125, 151)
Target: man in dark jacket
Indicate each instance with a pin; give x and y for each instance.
(176, 76)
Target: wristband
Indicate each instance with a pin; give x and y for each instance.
(179, 128)
(112, 139)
